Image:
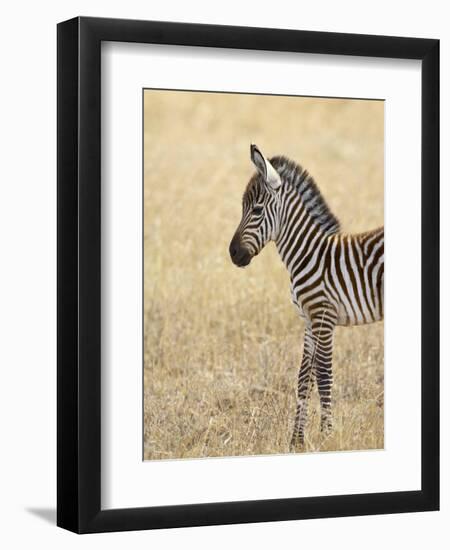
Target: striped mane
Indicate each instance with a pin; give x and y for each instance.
(293, 174)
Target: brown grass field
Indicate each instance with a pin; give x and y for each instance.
(222, 345)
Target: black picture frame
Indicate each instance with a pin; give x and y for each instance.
(79, 275)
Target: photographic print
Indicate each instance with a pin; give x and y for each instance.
(263, 283)
(221, 298)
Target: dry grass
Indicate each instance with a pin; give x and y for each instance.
(222, 345)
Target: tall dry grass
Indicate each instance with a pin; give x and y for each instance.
(222, 345)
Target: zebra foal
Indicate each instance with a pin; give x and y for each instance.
(336, 279)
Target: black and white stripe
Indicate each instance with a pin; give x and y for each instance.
(336, 279)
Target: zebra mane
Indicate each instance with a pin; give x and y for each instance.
(295, 175)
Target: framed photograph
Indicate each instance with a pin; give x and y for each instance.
(232, 345)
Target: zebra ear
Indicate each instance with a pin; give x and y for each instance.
(267, 171)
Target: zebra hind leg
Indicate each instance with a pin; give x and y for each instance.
(301, 415)
(305, 382)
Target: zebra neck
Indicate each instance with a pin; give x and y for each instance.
(299, 234)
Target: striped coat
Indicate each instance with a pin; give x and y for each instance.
(336, 279)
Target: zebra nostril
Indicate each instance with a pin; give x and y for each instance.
(233, 251)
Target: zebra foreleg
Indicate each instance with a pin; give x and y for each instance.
(316, 363)
(324, 384)
(323, 328)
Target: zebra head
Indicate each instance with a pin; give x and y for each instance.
(259, 211)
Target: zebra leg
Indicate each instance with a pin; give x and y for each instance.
(305, 382)
(323, 329)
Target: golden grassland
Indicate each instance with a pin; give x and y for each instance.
(222, 345)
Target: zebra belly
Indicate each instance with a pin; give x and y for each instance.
(347, 318)
(353, 307)
(343, 318)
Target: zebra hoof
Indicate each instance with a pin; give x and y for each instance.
(326, 427)
(297, 443)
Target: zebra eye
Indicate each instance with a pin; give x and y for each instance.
(257, 210)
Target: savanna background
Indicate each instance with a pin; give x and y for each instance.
(222, 345)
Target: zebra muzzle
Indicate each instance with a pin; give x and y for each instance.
(239, 255)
